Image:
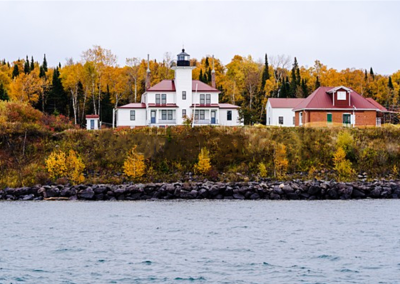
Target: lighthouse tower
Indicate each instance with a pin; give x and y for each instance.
(183, 85)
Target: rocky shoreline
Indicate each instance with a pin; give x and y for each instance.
(267, 189)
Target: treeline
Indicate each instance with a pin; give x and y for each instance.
(96, 84)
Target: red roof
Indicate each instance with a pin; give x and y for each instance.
(92, 116)
(224, 106)
(284, 103)
(320, 99)
(169, 86)
(377, 105)
(162, 105)
(134, 105)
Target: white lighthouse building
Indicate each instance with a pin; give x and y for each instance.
(170, 102)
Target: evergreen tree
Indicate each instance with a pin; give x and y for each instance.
(32, 64)
(56, 100)
(265, 74)
(365, 75)
(44, 65)
(27, 68)
(207, 63)
(15, 72)
(304, 88)
(41, 72)
(201, 76)
(317, 83)
(208, 76)
(294, 79)
(371, 72)
(390, 84)
(3, 93)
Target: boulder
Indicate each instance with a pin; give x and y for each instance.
(87, 193)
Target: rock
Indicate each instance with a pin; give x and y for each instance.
(277, 190)
(287, 189)
(87, 193)
(376, 192)
(28, 197)
(314, 190)
(238, 196)
(292, 196)
(358, 194)
(332, 193)
(275, 196)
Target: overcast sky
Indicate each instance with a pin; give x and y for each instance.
(339, 34)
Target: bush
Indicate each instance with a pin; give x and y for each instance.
(203, 166)
(262, 170)
(343, 166)
(59, 165)
(134, 166)
(280, 160)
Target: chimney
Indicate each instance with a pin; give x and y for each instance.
(213, 74)
(147, 85)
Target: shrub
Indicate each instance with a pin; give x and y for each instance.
(280, 160)
(59, 165)
(134, 166)
(343, 166)
(262, 170)
(203, 165)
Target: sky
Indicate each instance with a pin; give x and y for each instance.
(340, 34)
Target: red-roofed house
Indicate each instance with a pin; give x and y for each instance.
(170, 102)
(338, 106)
(279, 111)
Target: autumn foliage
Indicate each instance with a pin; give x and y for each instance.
(60, 165)
(203, 165)
(134, 166)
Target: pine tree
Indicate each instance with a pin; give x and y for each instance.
(15, 72)
(317, 83)
(3, 93)
(44, 65)
(371, 72)
(208, 76)
(365, 75)
(304, 88)
(265, 74)
(201, 76)
(390, 84)
(32, 64)
(207, 63)
(27, 68)
(294, 79)
(41, 72)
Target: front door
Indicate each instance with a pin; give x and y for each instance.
(346, 119)
(213, 117)
(153, 116)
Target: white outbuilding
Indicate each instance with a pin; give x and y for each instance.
(279, 111)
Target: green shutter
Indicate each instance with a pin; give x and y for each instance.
(329, 117)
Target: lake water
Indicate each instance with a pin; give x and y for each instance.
(200, 242)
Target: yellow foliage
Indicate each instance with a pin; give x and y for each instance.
(134, 165)
(345, 140)
(60, 165)
(262, 169)
(280, 160)
(203, 165)
(343, 166)
(56, 165)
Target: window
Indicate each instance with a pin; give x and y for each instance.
(280, 120)
(157, 99)
(164, 115)
(341, 96)
(133, 114)
(329, 117)
(202, 99)
(183, 95)
(346, 118)
(170, 115)
(196, 115)
(92, 124)
(183, 113)
(164, 99)
(202, 114)
(269, 121)
(229, 115)
(208, 99)
(294, 120)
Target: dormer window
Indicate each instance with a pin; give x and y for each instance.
(341, 95)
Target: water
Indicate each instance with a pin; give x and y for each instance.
(200, 242)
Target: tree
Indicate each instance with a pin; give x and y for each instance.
(44, 65)
(133, 72)
(295, 79)
(390, 84)
(27, 68)
(134, 166)
(317, 83)
(265, 73)
(70, 78)
(371, 72)
(3, 93)
(32, 67)
(203, 165)
(26, 88)
(15, 72)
